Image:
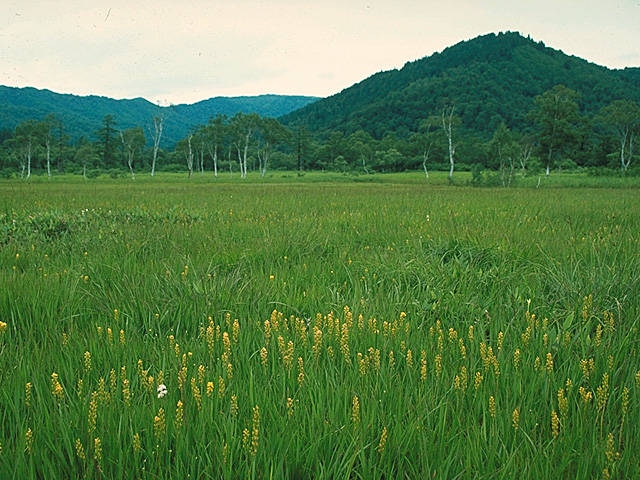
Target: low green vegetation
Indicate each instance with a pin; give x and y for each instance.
(324, 326)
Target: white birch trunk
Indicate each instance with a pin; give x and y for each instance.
(448, 130)
(158, 126)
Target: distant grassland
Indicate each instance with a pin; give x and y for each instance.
(319, 327)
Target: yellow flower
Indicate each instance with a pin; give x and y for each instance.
(383, 441)
(555, 424)
(3, 327)
(56, 389)
(27, 394)
(255, 431)
(179, 414)
(80, 450)
(159, 424)
(97, 452)
(28, 441)
(492, 406)
(355, 409)
(516, 419)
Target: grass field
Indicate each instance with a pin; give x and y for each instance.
(319, 327)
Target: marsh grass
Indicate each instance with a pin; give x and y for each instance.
(293, 322)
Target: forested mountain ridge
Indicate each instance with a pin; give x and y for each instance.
(83, 115)
(490, 79)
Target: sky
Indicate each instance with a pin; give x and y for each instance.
(173, 52)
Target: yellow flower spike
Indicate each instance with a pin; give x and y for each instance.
(87, 362)
(137, 444)
(597, 340)
(602, 392)
(235, 331)
(492, 406)
(563, 403)
(409, 357)
(80, 450)
(625, 401)
(226, 342)
(159, 425)
(210, 388)
(113, 382)
(221, 387)
(301, 374)
(56, 388)
(383, 441)
(453, 335)
(28, 441)
(423, 365)
(463, 349)
(515, 419)
(355, 409)
(97, 452)
(195, 392)
(264, 356)
(438, 364)
(122, 340)
(245, 438)
(27, 394)
(234, 405)
(516, 359)
(126, 392)
(110, 335)
(344, 344)
(182, 378)
(477, 381)
(555, 424)
(610, 450)
(3, 327)
(609, 323)
(92, 417)
(317, 342)
(585, 394)
(255, 431)
(179, 420)
(289, 407)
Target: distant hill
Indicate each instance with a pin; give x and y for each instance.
(490, 79)
(82, 115)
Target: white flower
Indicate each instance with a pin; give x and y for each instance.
(162, 390)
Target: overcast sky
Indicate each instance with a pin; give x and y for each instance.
(170, 51)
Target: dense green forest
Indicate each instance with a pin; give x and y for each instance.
(502, 104)
(81, 116)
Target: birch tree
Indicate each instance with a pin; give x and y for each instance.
(244, 127)
(25, 139)
(156, 135)
(447, 127)
(215, 134)
(427, 138)
(623, 117)
(132, 141)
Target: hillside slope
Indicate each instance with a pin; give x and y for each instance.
(82, 115)
(489, 79)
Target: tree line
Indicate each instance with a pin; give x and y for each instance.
(556, 135)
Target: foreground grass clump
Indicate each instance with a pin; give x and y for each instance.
(318, 330)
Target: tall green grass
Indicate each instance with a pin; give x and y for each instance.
(317, 329)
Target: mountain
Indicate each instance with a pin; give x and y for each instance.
(490, 79)
(82, 115)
